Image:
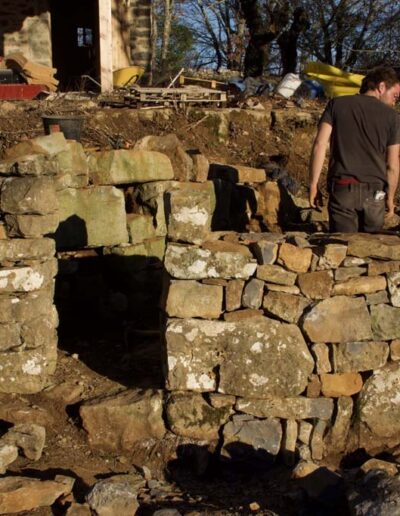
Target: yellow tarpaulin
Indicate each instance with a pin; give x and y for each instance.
(335, 81)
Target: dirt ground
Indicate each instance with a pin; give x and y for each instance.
(102, 364)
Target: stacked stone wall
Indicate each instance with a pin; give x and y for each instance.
(273, 343)
(296, 336)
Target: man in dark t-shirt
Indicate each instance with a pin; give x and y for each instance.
(364, 136)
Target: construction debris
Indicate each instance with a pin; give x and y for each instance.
(174, 96)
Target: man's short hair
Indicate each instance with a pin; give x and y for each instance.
(379, 74)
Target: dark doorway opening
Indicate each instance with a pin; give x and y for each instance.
(75, 42)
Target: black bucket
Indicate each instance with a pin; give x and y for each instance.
(70, 125)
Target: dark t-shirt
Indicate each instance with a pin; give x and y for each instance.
(362, 129)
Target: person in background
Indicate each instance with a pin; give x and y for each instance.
(363, 132)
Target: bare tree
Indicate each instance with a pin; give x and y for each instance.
(168, 12)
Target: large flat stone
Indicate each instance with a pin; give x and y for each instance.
(359, 356)
(189, 262)
(338, 319)
(192, 299)
(276, 274)
(19, 249)
(189, 415)
(91, 217)
(117, 167)
(287, 408)
(255, 360)
(340, 384)
(117, 422)
(27, 279)
(376, 246)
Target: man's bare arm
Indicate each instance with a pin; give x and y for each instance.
(392, 171)
(318, 154)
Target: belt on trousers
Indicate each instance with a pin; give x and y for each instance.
(347, 181)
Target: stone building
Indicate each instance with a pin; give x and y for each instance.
(78, 37)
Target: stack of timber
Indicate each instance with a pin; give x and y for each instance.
(33, 73)
(174, 96)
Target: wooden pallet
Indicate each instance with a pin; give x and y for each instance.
(174, 96)
(209, 83)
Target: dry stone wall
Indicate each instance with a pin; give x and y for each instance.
(273, 343)
(296, 336)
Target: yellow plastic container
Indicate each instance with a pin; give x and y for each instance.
(335, 81)
(126, 76)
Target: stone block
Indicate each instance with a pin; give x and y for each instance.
(253, 294)
(8, 454)
(233, 295)
(27, 279)
(305, 429)
(276, 274)
(378, 405)
(287, 307)
(118, 167)
(294, 258)
(48, 145)
(23, 308)
(27, 371)
(189, 262)
(289, 441)
(395, 350)
(375, 246)
(381, 267)
(29, 165)
(73, 166)
(345, 273)
(359, 356)
(377, 298)
(287, 408)
(170, 146)
(313, 387)
(192, 299)
(40, 331)
(30, 438)
(91, 217)
(362, 285)
(321, 355)
(191, 210)
(385, 322)
(28, 195)
(337, 436)
(117, 422)
(251, 363)
(253, 441)
(16, 249)
(342, 384)
(376, 464)
(321, 323)
(317, 440)
(189, 415)
(316, 285)
(331, 256)
(201, 167)
(265, 252)
(114, 496)
(31, 226)
(270, 205)
(20, 494)
(140, 227)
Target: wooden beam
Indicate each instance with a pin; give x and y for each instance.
(106, 50)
